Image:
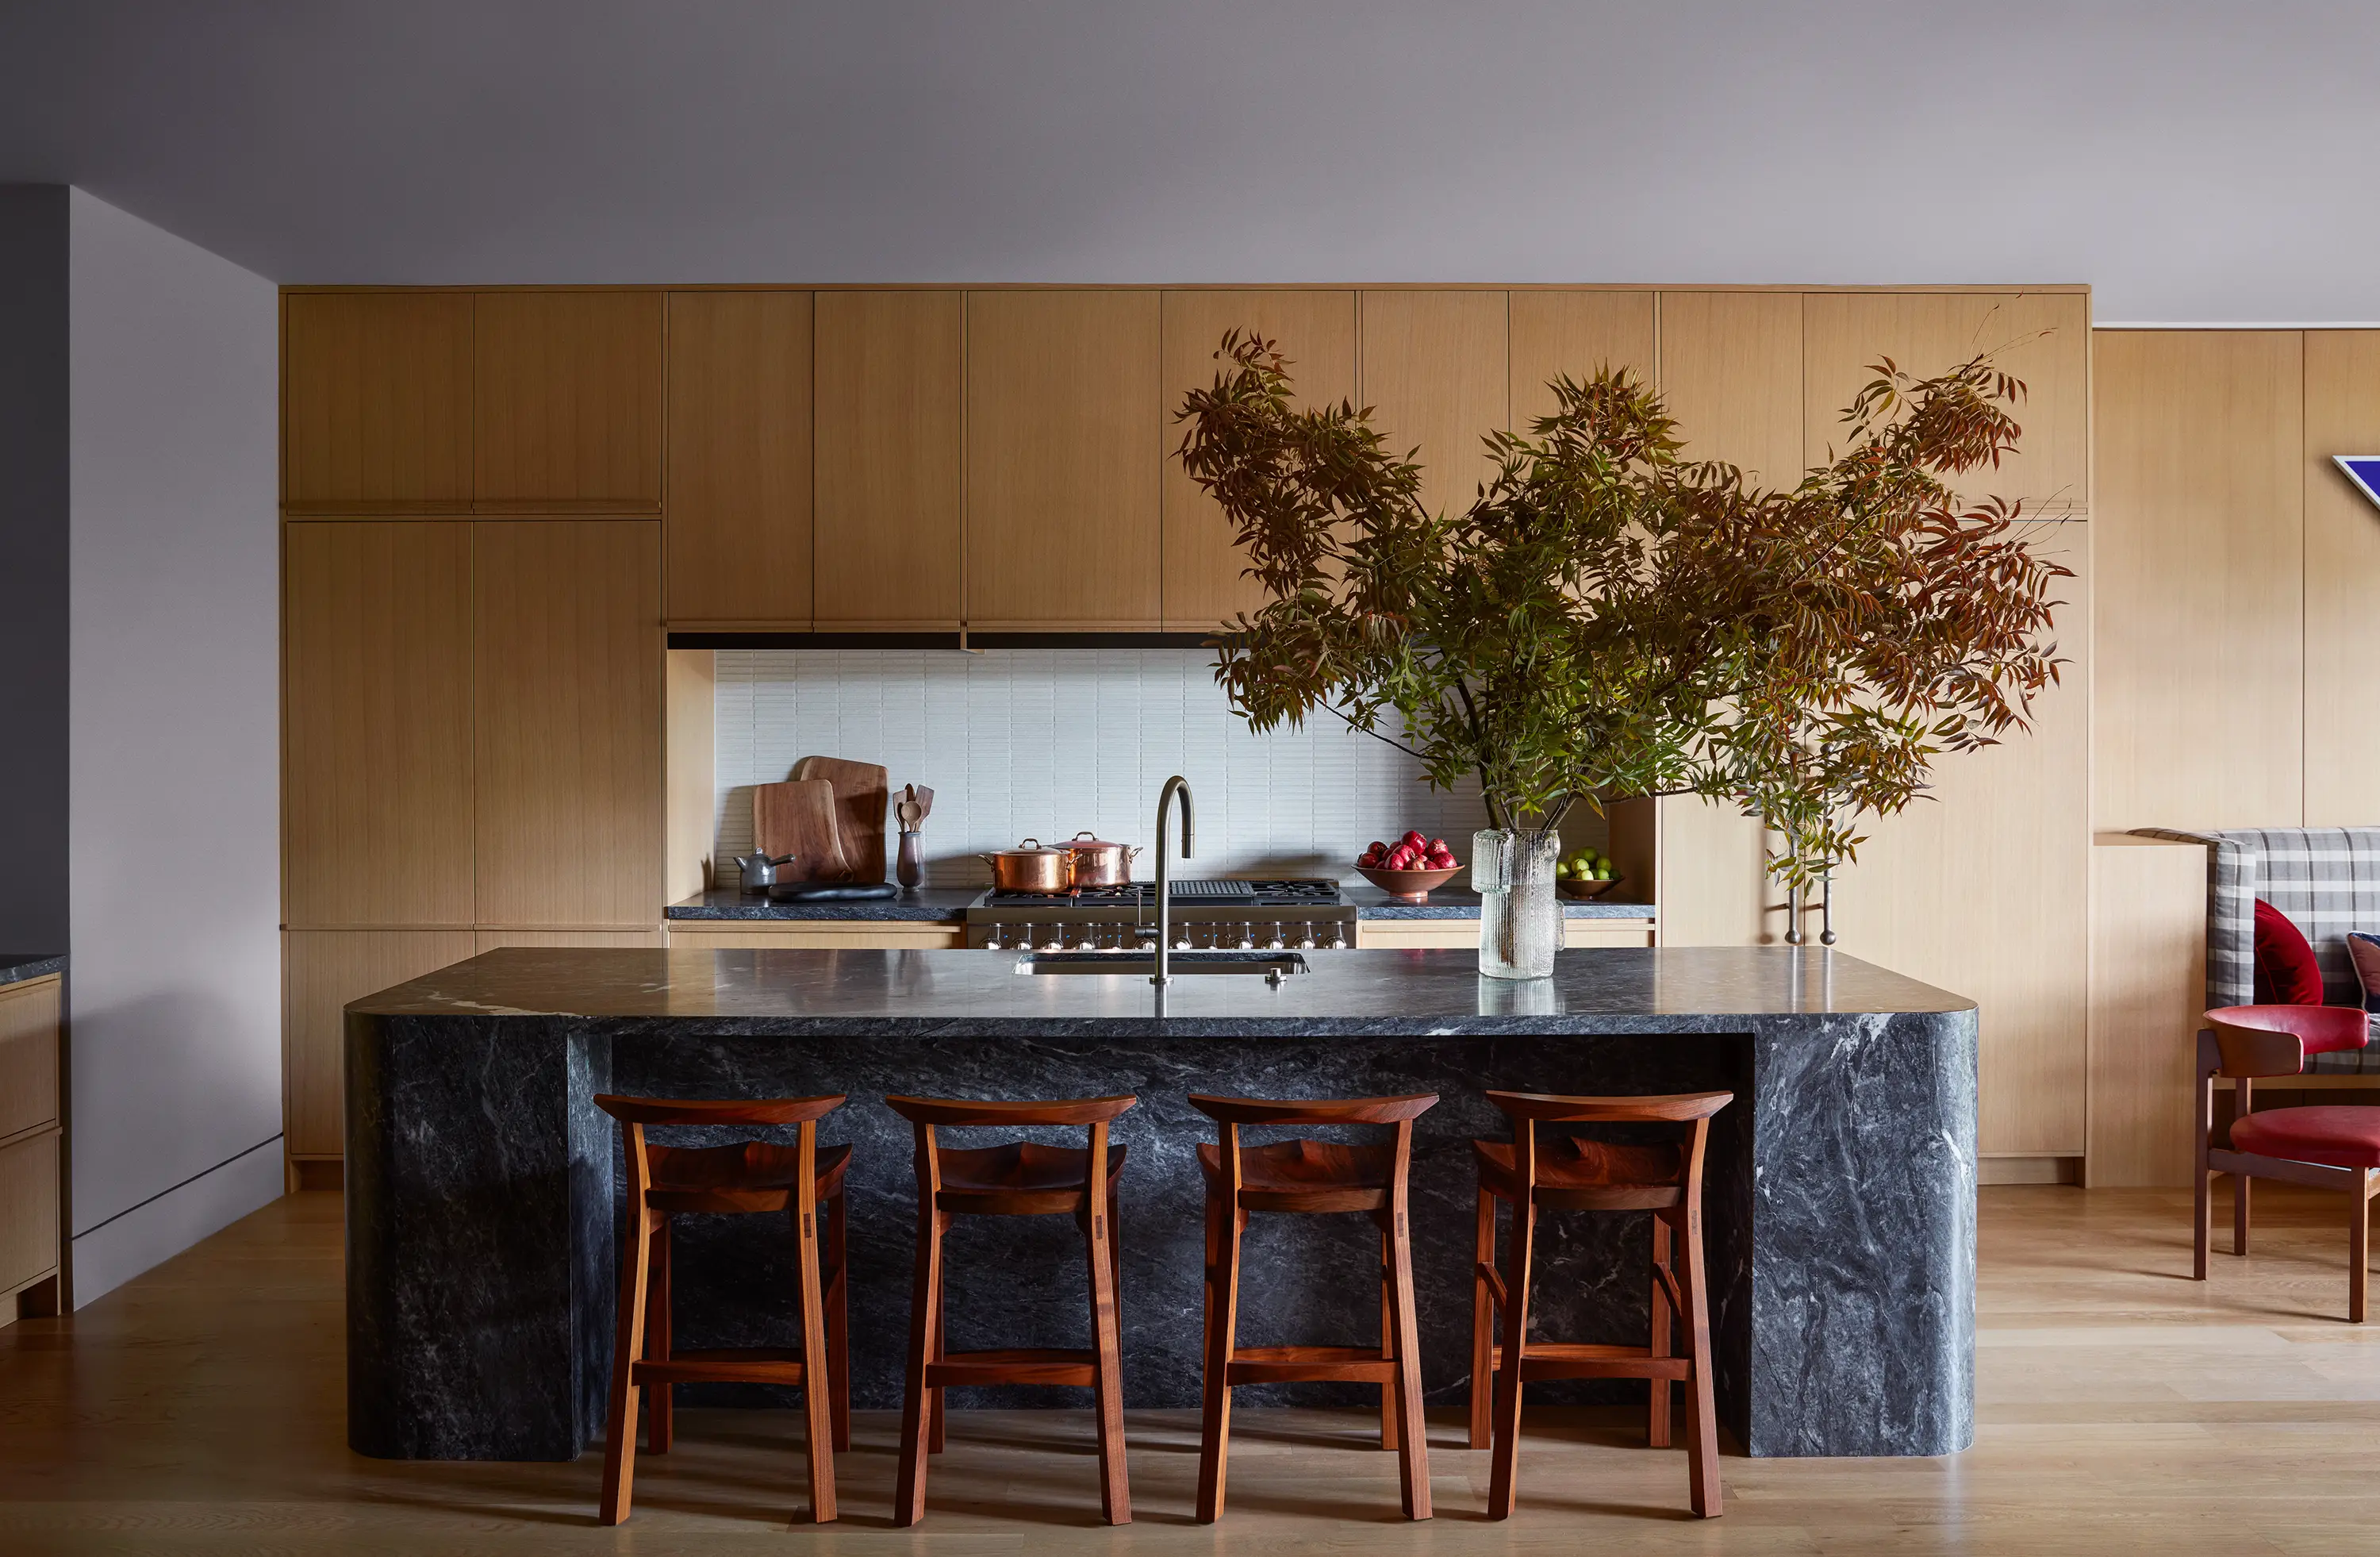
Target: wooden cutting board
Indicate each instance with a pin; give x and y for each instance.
(860, 791)
(798, 819)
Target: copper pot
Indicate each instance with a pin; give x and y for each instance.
(1031, 867)
(1100, 864)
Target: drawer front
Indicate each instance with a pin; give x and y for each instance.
(29, 1211)
(29, 1056)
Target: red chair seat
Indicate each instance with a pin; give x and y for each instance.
(2340, 1137)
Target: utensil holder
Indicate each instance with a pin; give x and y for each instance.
(909, 869)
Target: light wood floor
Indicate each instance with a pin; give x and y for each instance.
(2122, 1409)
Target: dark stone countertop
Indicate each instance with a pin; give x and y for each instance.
(1370, 993)
(1451, 902)
(939, 904)
(16, 967)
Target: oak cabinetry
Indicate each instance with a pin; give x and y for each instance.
(1064, 440)
(2342, 558)
(566, 672)
(1576, 333)
(320, 971)
(1204, 567)
(567, 402)
(816, 935)
(739, 469)
(1436, 370)
(30, 1068)
(376, 718)
(889, 372)
(376, 403)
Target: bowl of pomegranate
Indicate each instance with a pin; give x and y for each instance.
(1409, 868)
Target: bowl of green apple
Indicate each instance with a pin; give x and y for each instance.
(1586, 874)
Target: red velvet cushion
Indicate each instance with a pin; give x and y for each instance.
(2286, 971)
(2342, 1136)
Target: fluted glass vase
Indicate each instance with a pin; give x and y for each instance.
(1519, 916)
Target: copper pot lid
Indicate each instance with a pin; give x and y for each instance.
(1085, 841)
(1030, 848)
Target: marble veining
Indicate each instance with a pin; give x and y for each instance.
(18, 967)
(483, 1182)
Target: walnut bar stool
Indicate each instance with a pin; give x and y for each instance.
(2331, 1148)
(1015, 1178)
(1310, 1175)
(749, 1176)
(1576, 1174)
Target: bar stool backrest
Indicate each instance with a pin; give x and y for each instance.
(1528, 1109)
(634, 1113)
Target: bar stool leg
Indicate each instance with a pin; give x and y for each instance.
(661, 1399)
(1389, 1407)
(1106, 1349)
(925, 1346)
(1413, 1457)
(1662, 1394)
(1506, 1458)
(1483, 1323)
(620, 1429)
(1215, 1419)
(818, 1386)
(838, 1316)
(938, 1422)
(1702, 1413)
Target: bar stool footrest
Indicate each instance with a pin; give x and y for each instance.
(727, 1364)
(1015, 1365)
(1293, 1365)
(1588, 1359)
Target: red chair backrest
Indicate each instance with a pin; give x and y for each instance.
(2255, 1040)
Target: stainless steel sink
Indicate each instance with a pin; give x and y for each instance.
(1271, 965)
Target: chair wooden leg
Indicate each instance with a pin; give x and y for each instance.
(1702, 1411)
(925, 1342)
(936, 1420)
(838, 1316)
(817, 1384)
(2205, 1220)
(2240, 1183)
(2358, 1244)
(660, 1415)
(1107, 1354)
(628, 1345)
(1412, 1461)
(1660, 1393)
(1388, 1408)
(1483, 1324)
(1215, 1417)
(1506, 1455)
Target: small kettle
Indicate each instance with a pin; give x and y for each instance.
(760, 872)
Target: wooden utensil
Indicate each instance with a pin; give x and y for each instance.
(799, 817)
(861, 790)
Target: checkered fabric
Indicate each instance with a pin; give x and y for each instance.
(2325, 879)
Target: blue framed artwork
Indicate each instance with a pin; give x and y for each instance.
(2363, 470)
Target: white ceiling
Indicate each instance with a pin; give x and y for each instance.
(2195, 163)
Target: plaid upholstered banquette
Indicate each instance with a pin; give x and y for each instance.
(2325, 879)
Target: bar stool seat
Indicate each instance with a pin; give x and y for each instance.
(752, 1175)
(1017, 1178)
(1575, 1173)
(1307, 1175)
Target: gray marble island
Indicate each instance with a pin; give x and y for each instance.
(481, 1182)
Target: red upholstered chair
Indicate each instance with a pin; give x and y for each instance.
(2330, 1148)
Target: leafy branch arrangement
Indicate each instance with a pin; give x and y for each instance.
(1608, 620)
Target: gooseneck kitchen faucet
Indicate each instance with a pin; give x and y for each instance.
(1177, 784)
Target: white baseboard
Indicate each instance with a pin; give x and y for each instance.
(154, 1232)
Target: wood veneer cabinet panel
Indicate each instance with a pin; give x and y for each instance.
(1204, 586)
(1981, 888)
(376, 718)
(738, 527)
(1575, 333)
(2042, 337)
(322, 970)
(29, 1055)
(2201, 574)
(1435, 369)
(2148, 982)
(2342, 572)
(29, 1211)
(1063, 442)
(567, 402)
(891, 376)
(566, 618)
(492, 939)
(376, 402)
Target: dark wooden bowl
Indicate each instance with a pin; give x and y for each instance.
(1408, 886)
(1586, 890)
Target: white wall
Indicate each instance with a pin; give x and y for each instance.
(1048, 742)
(174, 744)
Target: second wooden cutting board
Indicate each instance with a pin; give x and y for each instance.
(860, 791)
(798, 819)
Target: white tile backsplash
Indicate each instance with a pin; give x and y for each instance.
(1047, 742)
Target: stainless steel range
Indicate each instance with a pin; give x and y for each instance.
(1229, 915)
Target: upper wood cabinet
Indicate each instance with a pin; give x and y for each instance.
(1203, 564)
(891, 381)
(1575, 333)
(376, 402)
(2041, 338)
(1064, 440)
(1437, 373)
(1731, 376)
(376, 750)
(737, 526)
(567, 402)
(568, 680)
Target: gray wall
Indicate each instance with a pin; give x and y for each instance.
(33, 567)
(175, 744)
